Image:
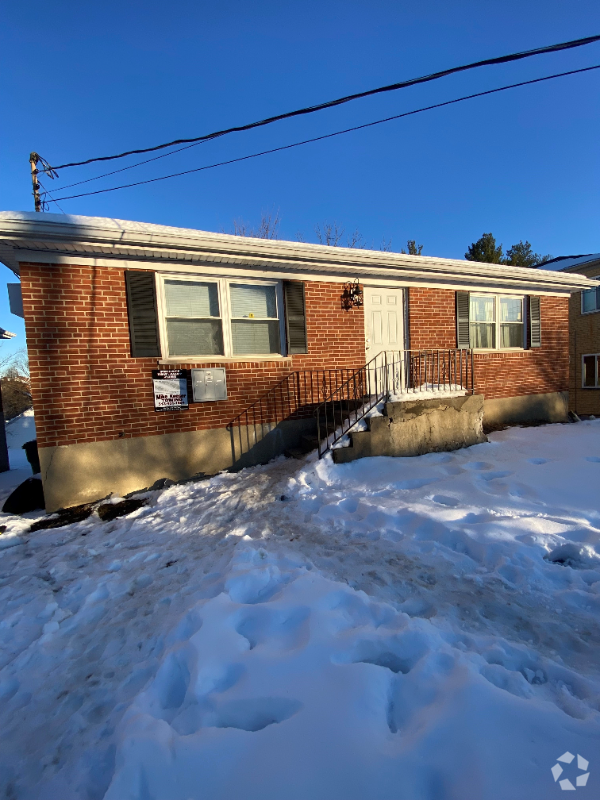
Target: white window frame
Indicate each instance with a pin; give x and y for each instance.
(583, 291)
(225, 310)
(497, 322)
(589, 355)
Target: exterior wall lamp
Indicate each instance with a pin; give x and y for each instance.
(352, 296)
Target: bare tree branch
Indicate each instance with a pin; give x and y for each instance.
(267, 229)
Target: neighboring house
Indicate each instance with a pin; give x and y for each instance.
(584, 333)
(271, 327)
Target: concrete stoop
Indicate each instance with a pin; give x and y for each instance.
(415, 427)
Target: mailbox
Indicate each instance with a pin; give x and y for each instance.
(209, 385)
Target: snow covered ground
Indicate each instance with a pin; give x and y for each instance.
(19, 430)
(388, 628)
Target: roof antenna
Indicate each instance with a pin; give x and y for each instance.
(34, 160)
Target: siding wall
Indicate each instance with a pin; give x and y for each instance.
(432, 322)
(87, 388)
(584, 340)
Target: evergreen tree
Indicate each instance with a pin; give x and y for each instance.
(485, 250)
(521, 255)
(414, 249)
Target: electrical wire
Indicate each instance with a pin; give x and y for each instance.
(554, 48)
(335, 133)
(44, 202)
(131, 166)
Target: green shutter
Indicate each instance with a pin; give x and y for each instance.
(463, 339)
(143, 316)
(535, 322)
(295, 317)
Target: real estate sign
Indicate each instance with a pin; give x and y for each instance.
(170, 389)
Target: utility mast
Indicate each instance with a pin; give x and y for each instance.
(34, 160)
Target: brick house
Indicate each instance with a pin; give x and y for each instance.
(584, 333)
(113, 309)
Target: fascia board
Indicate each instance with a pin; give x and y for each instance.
(282, 271)
(160, 243)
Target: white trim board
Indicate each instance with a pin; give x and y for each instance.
(368, 277)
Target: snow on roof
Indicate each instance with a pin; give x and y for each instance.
(564, 262)
(26, 234)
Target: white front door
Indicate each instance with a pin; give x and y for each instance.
(384, 320)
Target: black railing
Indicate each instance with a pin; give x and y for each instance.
(339, 398)
(296, 396)
(391, 373)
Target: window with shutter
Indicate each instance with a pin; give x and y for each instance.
(295, 317)
(142, 312)
(491, 322)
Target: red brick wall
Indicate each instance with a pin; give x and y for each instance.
(432, 320)
(87, 388)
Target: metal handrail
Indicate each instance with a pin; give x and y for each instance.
(341, 397)
(390, 372)
(295, 396)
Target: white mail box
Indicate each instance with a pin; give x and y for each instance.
(209, 385)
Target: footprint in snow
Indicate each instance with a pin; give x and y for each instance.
(593, 459)
(477, 465)
(415, 483)
(539, 461)
(443, 500)
(283, 630)
(492, 476)
(253, 714)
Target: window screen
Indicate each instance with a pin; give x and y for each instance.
(194, 327)
(255, 323)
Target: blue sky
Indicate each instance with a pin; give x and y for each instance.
(87, 79)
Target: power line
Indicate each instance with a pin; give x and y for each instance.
(44, 202)
(131, 166)
(336, 133)
(554, 48)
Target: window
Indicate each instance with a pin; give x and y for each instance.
(219, 317)
(511, 322)
(254, 323)
(193, 319)
(496, 322)
(589, 371)
(482, 319)
(590, 299)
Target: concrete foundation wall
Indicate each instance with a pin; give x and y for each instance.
(551, 407)
(416, 427)
(82, 473)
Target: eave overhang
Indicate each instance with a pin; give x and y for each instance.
(51, 238)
